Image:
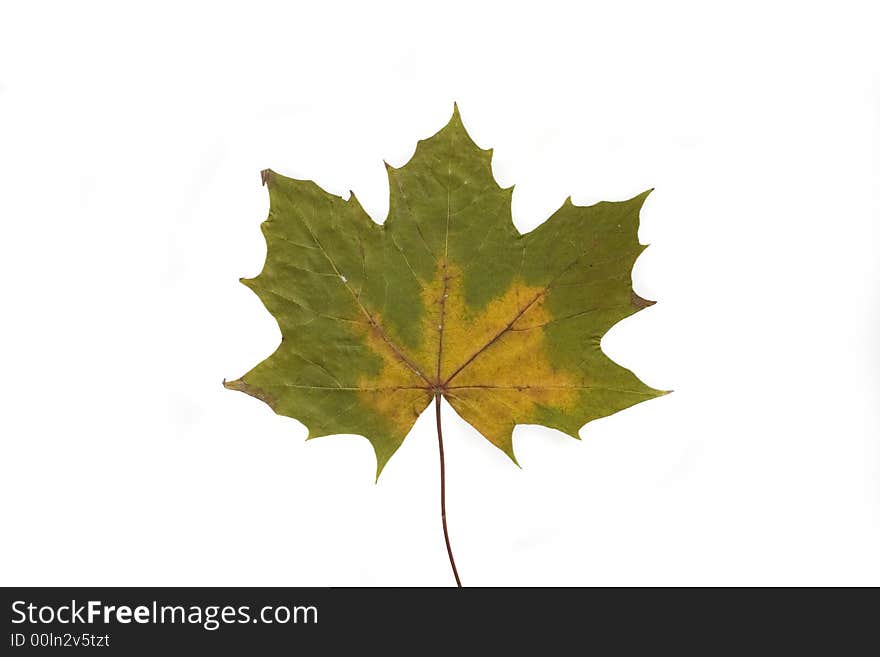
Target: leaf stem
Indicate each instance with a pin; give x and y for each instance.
(443, 491)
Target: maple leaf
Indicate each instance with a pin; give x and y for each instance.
(446, 298)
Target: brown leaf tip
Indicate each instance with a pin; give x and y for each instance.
(639, 302)
(265, 174)
(248, 389)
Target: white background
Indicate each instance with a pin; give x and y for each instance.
(130, 148)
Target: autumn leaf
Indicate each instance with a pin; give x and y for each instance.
(446, 298)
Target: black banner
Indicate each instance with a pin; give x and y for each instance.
(135, 621)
